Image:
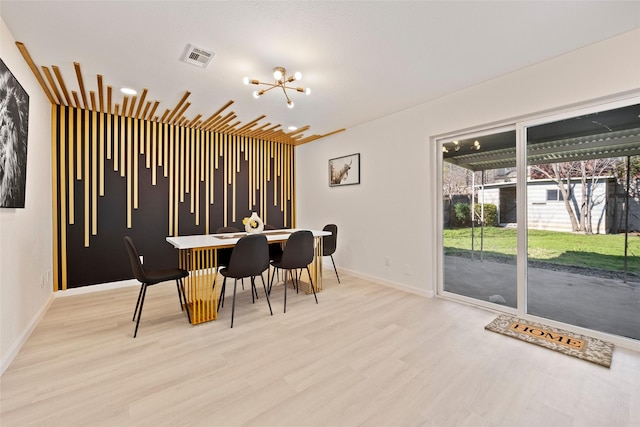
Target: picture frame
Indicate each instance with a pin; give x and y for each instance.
(14, 128)
(344, 170)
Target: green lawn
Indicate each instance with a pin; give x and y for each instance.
(601, 251)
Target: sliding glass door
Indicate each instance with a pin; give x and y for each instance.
(545, 220)
(583, 217)
(479, 211)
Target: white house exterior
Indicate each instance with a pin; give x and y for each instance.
(546, 209)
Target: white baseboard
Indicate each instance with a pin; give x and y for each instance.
(390, 284)
(17, 345)
(96, 288)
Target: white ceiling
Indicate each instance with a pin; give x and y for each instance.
(362, 60)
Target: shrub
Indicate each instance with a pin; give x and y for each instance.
(462, 214)
(490, 214)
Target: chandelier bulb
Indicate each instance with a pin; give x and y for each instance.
(297, 75)
(290, 104)
(308, 91)
(256, 94)
(277, 74)
(245, 80)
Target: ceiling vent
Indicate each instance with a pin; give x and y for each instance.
(198, 56)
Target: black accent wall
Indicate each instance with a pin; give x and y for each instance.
(115, 176)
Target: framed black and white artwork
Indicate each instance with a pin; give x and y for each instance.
(344, 170)
(14, 127)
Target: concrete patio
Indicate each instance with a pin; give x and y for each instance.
(602, 304)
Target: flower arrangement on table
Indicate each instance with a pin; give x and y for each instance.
(253, 224)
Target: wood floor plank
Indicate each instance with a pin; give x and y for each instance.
(365, 355)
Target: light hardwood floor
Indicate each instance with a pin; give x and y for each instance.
(365, 355)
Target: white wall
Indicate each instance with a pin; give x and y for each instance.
(393, 212)
(26, 234)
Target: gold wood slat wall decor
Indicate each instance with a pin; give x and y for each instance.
(123, 140)
(59, 203)
(202, 159)
(117, 130)
(151, 139)
(108, 119)
(94, 175)
(192, 160)
(126, 155)
(70, 144)
(136, 158)
(172, 193)
(87, 182)
(207, 180)
(125, 104)
(34, 69)
(109, 92)
(84, 105)
(188, 167)
(199, 173)
(225, 174)
(132, 106)
(74, 95)
(162, 132)
(49, 77)
(100, 94)
(78, 129)
(234, 170)
(101, 154)
(145, 144)
(63, 87)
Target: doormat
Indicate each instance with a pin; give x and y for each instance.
(576, 345)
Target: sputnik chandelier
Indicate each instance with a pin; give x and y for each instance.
(280, 74)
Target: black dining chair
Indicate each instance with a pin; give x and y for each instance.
(275, 249)
(297, 254)
(329, 244)
(224, 255)
(250, 257)
(149, 277)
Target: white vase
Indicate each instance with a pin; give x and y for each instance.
(258, 224)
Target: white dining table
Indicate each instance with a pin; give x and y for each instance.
(198, 254)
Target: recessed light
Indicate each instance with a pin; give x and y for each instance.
(292, 128)
(128, 91)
